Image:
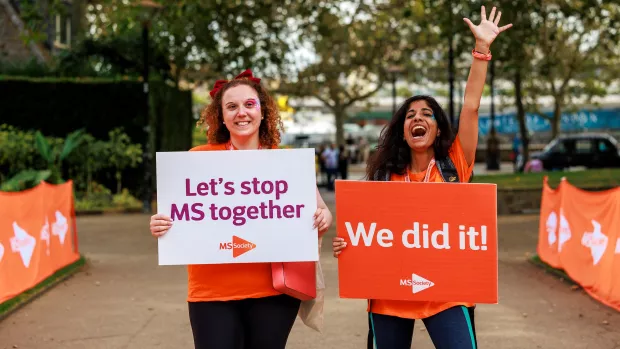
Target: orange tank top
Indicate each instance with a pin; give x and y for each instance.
(423, 309)
(222, 282)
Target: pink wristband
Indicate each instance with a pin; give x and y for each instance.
(482, 56)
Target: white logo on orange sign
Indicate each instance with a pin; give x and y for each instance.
(565, 233)
(60, 227)
(596, 241)
(417, 283)
(1, 252)
(45, 235)
(552, 226)
(23, 243)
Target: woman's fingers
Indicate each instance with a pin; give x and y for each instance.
(323, 224)
(159, 228)
(161, 222)
(507, 26)
(161, 216)
(499, 15)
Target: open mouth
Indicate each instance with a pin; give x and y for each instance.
(418, 132)
(242, 123)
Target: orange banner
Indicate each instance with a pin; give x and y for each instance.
(579, 232)
(37, 236)
(418, 241)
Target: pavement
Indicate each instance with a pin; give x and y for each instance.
(123, 299)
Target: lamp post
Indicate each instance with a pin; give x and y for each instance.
(148, 9)
(394, 70)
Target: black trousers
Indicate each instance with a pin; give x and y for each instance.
(254, 323)
(453, 328)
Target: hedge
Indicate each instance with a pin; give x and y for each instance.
(57, 107)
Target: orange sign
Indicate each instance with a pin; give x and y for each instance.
(418, 241)
(238, 246)
(579, 233)
(37, 236)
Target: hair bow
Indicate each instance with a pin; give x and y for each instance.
(219, 83)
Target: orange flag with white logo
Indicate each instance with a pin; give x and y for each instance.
(36, 236)
(587, 246)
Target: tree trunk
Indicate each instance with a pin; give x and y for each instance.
(118, 182)
(522, 120)
(340, 114)
(89, 178)
(557, 118)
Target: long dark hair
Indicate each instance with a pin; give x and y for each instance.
(393, 154)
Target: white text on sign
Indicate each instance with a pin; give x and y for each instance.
(420, 238)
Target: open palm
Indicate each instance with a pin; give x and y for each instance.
(488, 29)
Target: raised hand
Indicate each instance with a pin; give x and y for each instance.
(487, 30)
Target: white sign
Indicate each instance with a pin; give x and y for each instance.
(237, 206)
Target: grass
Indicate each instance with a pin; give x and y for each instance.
(14, 303)
(587, 179)
(535, 259)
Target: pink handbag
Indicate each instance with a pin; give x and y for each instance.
(296, 279)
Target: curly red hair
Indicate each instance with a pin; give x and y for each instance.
(270, 126)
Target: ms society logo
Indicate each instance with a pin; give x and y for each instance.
(596, 241)
(23, 243)
(417, 283)
(238, 246)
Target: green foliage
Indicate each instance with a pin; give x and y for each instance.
(29, 157)
(35, 15)
(575, 42)
(587, 179)
(122, 154)
(125, 200)
(101, 198)
(54, 156)
(355, 49)
(24, 180)
(16, 149)
(404, 92)
(199, 137)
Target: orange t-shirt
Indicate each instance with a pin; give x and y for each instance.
(223, 282)
(424, 309)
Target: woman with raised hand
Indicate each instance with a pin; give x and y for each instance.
(235, 306)
(417, 146)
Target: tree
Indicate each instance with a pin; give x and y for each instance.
(189, 39)
(514, 57)
(355, 45)
(577, 46)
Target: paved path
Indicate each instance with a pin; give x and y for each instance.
(124, 300)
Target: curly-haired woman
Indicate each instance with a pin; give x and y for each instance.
(418, 134)
(234, 306)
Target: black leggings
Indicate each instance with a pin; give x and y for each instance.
(243, 324)
(452, 328)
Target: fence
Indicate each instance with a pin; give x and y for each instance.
(579, 233)
(38, 236)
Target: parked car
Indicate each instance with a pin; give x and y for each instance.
(591, 150)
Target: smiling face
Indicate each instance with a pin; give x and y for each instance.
(420, 127)
(241, 111)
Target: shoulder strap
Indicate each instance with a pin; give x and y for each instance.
(447, 170)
